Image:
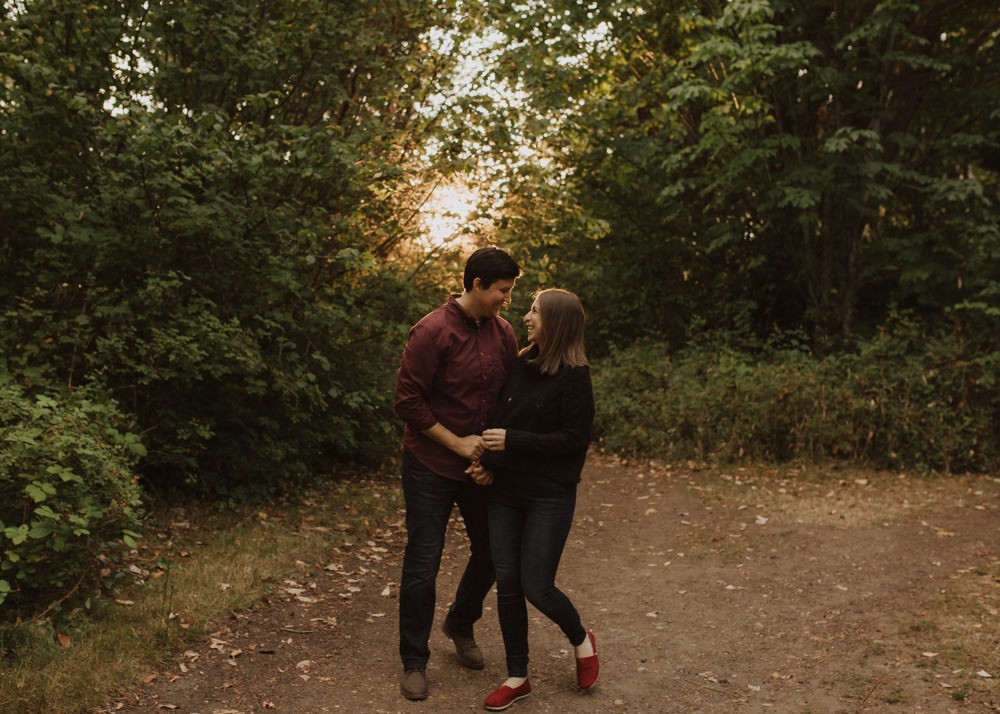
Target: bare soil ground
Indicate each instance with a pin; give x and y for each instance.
(708, 590)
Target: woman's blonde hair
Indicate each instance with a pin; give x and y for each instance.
(562, 342)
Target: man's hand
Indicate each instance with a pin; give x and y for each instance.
(495, 439)
(478, 473)
(469, 447)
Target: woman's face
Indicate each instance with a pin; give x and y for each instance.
(533, 321)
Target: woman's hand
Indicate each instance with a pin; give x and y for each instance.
(478, 473)
(495, 439)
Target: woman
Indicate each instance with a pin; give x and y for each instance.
(536, 449)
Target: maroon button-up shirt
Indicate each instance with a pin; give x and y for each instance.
(452, 371)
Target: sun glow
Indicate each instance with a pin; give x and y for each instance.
(446, 216)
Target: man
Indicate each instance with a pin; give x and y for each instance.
(452, 370)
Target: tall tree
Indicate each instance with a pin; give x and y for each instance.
(198, 203)
(762, 163)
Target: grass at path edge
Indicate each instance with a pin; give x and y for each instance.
(193, 567)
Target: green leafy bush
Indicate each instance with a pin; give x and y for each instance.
(68, 493)
(220, 250)
(243, 401)
(902, 400)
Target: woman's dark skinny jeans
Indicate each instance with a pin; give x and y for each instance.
(429, 500)
(529, 523)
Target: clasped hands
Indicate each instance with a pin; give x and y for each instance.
(491, 440)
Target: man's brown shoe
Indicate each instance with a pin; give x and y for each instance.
(468, 652)
(414, 684)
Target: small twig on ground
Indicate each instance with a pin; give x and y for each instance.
(711, 689)
(875, 686)
(296, 632)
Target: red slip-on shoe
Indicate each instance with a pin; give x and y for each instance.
(505, 696)
(588, 668)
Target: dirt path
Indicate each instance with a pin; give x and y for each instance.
(708, 592)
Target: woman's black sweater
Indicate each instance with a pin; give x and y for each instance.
(548, 419)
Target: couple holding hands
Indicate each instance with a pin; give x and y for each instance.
(503, 434)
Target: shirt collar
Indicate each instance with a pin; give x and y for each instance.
(466, 317)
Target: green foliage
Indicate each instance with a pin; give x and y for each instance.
(208, 222)
(68, 489)
(762, 163)
(902, 400)
(207, 209)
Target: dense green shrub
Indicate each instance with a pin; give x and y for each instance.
(902, 400)
(234, 401)
(213, 237)
(68, 493)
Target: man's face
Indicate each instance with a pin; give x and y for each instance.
(489, 301)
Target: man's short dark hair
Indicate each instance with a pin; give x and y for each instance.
(489, 265)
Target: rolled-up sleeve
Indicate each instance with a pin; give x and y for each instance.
(415, 379)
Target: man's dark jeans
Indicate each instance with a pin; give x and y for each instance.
(429, 500)
(529, 522)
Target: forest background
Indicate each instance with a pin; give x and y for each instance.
(781, 216)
